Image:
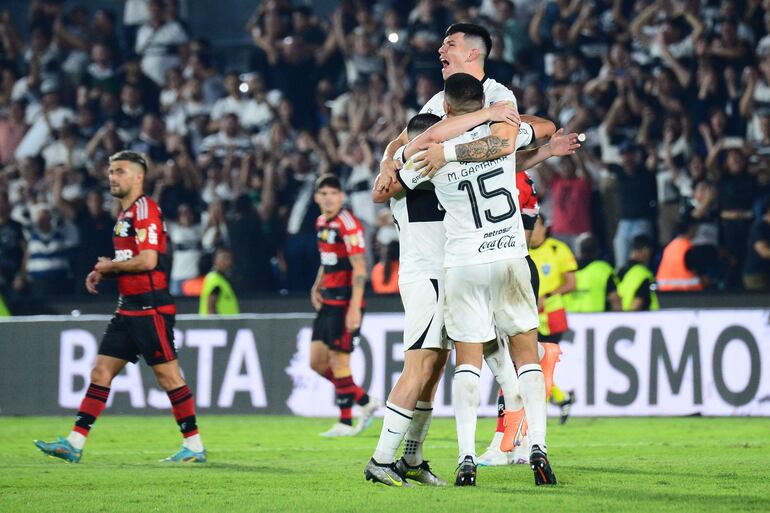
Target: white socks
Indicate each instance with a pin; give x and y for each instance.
(502, 368)
(76, 440)
(465, 396)
(394, 426)
(418, 430)
(532, 387)
(194, 443)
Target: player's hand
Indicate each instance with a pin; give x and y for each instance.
(103, 265)
(430, 161)
(505, 112)
(388, 174)
(563, 144)
(315, 298)
(353, 319)
(92, 281)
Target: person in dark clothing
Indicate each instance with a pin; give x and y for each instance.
(94, 226)
(756, 271)
(12, 248)
(637, 190)
(737, 192)
(251, 257)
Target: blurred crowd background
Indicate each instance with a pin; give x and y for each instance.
(674, 97)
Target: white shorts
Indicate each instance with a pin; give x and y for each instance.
(424, 314)
(480, 297)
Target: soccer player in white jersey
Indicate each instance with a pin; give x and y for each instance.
(421, 284)
(487, 276)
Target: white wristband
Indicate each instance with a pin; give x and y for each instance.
(450, 154)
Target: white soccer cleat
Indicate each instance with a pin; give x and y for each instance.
(339, 429)
(366, 414)
(494, 457)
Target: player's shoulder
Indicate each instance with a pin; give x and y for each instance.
(435, 105)
(349, 221)
(494, 91)
(145, 208)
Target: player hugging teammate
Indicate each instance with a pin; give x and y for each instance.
(478, 204)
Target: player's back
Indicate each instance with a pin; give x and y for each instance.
(481, 203)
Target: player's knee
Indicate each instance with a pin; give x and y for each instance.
(339, 362)
(168, 382)
(319, 366)
(101, 376)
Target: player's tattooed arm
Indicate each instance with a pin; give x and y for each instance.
(490, 147)
(353, 317)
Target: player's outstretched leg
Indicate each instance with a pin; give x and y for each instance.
(183, 408)
(538, 461)
(70, 449)
(465, 395)
(563, 401)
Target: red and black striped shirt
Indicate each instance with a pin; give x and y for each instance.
(141, 227)
(338, 238)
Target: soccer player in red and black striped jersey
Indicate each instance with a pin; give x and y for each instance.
(144, 320)
(338, 296)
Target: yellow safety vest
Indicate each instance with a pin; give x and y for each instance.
(590, 294)
(227, 303)
(632, 280)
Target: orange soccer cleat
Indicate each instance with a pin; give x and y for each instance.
(512, 420)
(548, 364)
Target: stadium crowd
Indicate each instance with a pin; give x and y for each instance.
(674, 97)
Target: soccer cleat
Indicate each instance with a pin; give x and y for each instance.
(566, 406)
(548, 364)
(385, 474)
(538, 462)
(512, 420)
(466, 473)
(185, 455)
(494, 457)
(61, 449)
(339, 429)
(366, 414)
(420, 474)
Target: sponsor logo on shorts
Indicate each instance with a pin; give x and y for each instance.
(504, 242)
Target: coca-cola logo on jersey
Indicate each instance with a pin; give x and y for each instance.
(504, 242)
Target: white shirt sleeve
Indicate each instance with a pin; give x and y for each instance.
(497, 93)
(409, 177)
(526, 135)
(435, 105)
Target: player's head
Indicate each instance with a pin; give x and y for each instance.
(462, 94)
(329, 195)
(223, 260)
(126, 172)
(464, 49)
(420, 123)
(642, 247)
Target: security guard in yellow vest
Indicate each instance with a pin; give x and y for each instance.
(637, 282)
(217, 296)
(595, 281)
(556, 268)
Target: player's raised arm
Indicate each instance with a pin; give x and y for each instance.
(559, 145)
(382, 196)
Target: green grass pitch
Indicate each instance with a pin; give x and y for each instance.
(259, 463)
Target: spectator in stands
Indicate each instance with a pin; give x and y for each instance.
(228, 140)
(12, 130)
(44, 118)
(158, 42)
(673, 273)
(151, 138)
(571, 200)
(12, 249)
(756, 271)
(185, 235)
(50, 243)
(637, 197)
(178, 186)
(233, 103)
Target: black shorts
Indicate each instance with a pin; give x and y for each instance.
(329, 328)
(534, 277)
(128, 336)
(553, 338)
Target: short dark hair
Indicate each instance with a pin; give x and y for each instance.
(462, 90)
(130, 156)
(642, 241)
(420, 123)
(328, 180)
(471, 29)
